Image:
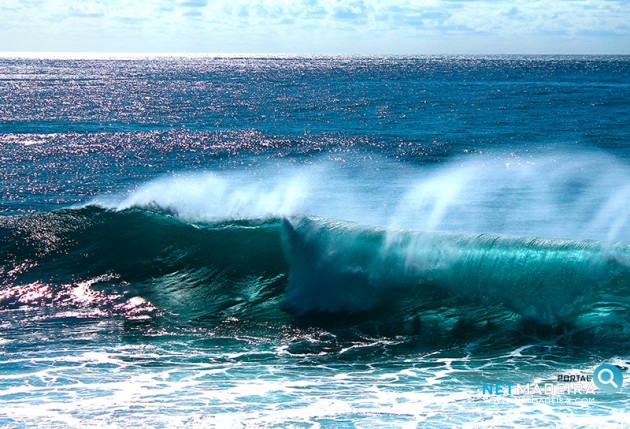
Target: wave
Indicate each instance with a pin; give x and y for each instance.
(313, 269)
(575, 196)
(476, 247)
(189, 269)
(338, 266)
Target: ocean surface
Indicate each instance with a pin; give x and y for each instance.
(314, 242)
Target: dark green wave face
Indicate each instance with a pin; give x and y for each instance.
(267, 276)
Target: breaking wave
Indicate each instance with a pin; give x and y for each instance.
(418, 253)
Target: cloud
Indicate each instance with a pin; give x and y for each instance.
(193, 13)
(80, 14)
(335, 26)
(354, 11)
(193, 3)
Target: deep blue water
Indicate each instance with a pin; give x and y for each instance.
(312, 241)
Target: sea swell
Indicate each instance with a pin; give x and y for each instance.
(313, 271)
(489, 245)
(337, 266)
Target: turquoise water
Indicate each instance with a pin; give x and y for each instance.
(313, 242)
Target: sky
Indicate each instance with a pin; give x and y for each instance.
(317, 26)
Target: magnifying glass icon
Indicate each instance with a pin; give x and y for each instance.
(610, 377)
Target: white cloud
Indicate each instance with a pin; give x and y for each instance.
(335, 26)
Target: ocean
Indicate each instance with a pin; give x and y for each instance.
(315, 242)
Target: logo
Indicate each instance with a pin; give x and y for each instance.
(571, 387)
(608, 378)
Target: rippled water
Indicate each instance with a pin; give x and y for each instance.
(313, 241)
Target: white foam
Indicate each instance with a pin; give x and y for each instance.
(209, 392)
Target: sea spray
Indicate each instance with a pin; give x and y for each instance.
(579, 195)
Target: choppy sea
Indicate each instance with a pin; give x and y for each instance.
(315, 242)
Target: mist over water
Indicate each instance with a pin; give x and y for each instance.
(580, 195)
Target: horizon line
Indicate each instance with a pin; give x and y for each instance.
(96, 55)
